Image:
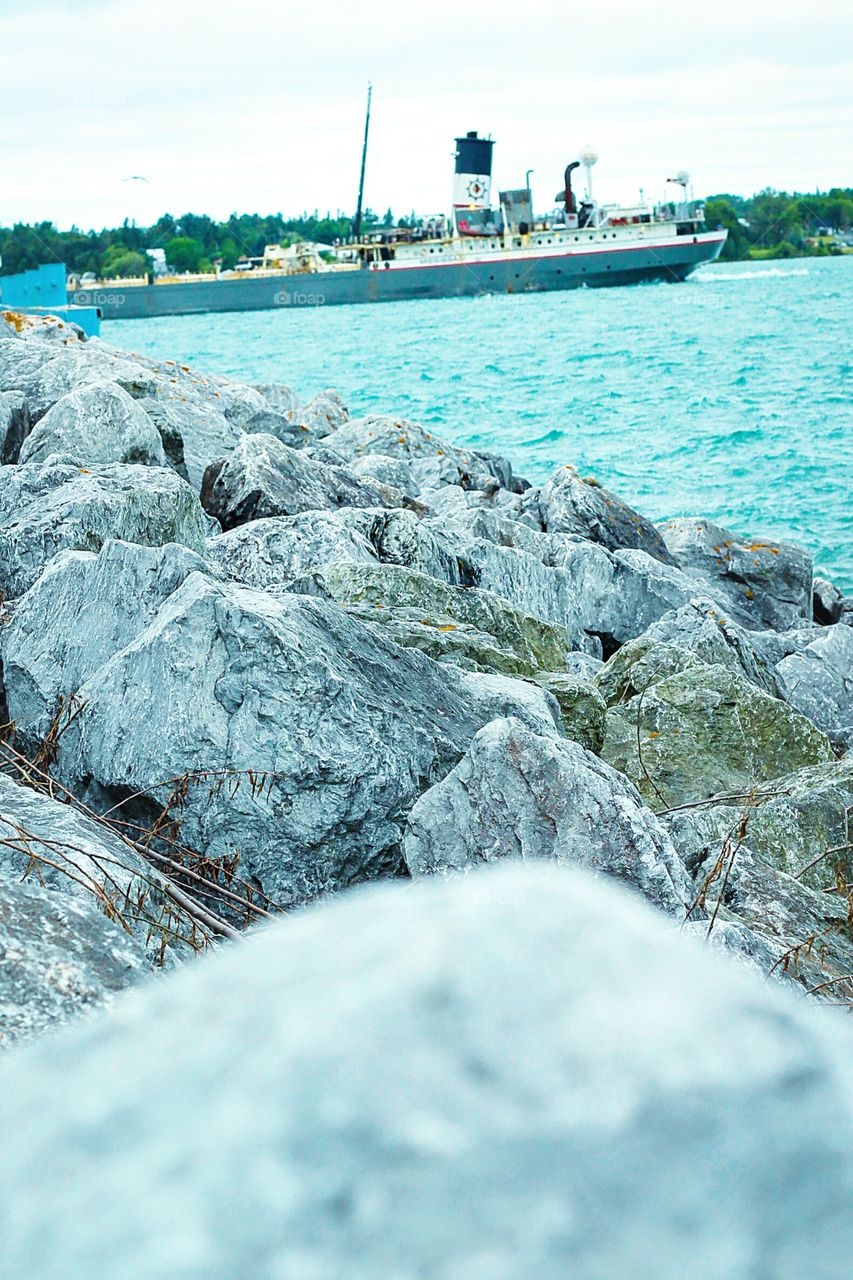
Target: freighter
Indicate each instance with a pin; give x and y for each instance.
(483, 247)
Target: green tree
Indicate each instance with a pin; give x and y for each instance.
(121, 262)
(183, 253)
(719, 212)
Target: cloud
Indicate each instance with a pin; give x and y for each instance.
(266, 113)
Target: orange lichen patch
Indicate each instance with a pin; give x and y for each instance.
(750, 594)
(446, 626)
(302, 427)
(721, 622)
(655, 733)
(728, 543)
(439, 453)
(591, 481)
(185, 368)
(15, 319)
(763, 546)
(84, 471)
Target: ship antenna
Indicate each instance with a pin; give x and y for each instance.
(356, 226)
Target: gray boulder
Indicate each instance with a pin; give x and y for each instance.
(787, 930)
(818, 681)
(45, 372)
(516, 794)
(55, 507)
(14, 424)
(523, 1073)
(707, 731)
(799, 823)
(193, 434)
(433, 463)
(569, 503)
(77, 859)
(84, 608)
(274, 554)
(59, 957)
(263, 477)
(98, 424)
(697, 632)
(201, 418)
(608, 596)
(769, 581)
(583, 711)
(395, 593)
(302, 424)
(827, 602)
(344, 728)
(387, 470)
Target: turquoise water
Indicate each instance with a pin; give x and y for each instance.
(727, 396)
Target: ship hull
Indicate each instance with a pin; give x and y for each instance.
(669, 261)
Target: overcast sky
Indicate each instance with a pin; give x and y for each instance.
(260, 109)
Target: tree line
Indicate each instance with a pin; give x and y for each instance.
(775, 224)
(769, 224)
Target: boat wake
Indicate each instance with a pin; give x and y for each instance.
(709, 277)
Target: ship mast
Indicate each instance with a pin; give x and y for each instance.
(356, 226)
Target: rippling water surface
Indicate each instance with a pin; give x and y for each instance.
(727, 396)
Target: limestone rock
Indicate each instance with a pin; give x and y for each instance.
(582, 708)
(275, 553)
(446, 640)
(194, 435)
(263, 477)
(583, 665)
(481, 1077)
(516, 794)
(58, 957)
(541, 646)
(84, 608)
(387, 470)
(97, 424)
(345, 728)
(14, 424)
(581, 506)
(788, 930)
(696, 633)
(45, 372)
(818, 681)
(768, 580)
(800, 823)
(54, 507)
(76, 859)
(707, 731)
(433, 463)
(826, 602)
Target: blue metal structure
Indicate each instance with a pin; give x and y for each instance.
(43, 291)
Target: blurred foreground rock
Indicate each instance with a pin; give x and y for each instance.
(523, 1073)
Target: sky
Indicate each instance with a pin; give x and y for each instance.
(261, 109)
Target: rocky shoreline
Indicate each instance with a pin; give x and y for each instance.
(255, 652)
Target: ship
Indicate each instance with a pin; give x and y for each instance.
(484, 246)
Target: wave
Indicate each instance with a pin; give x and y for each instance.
(779, 273)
